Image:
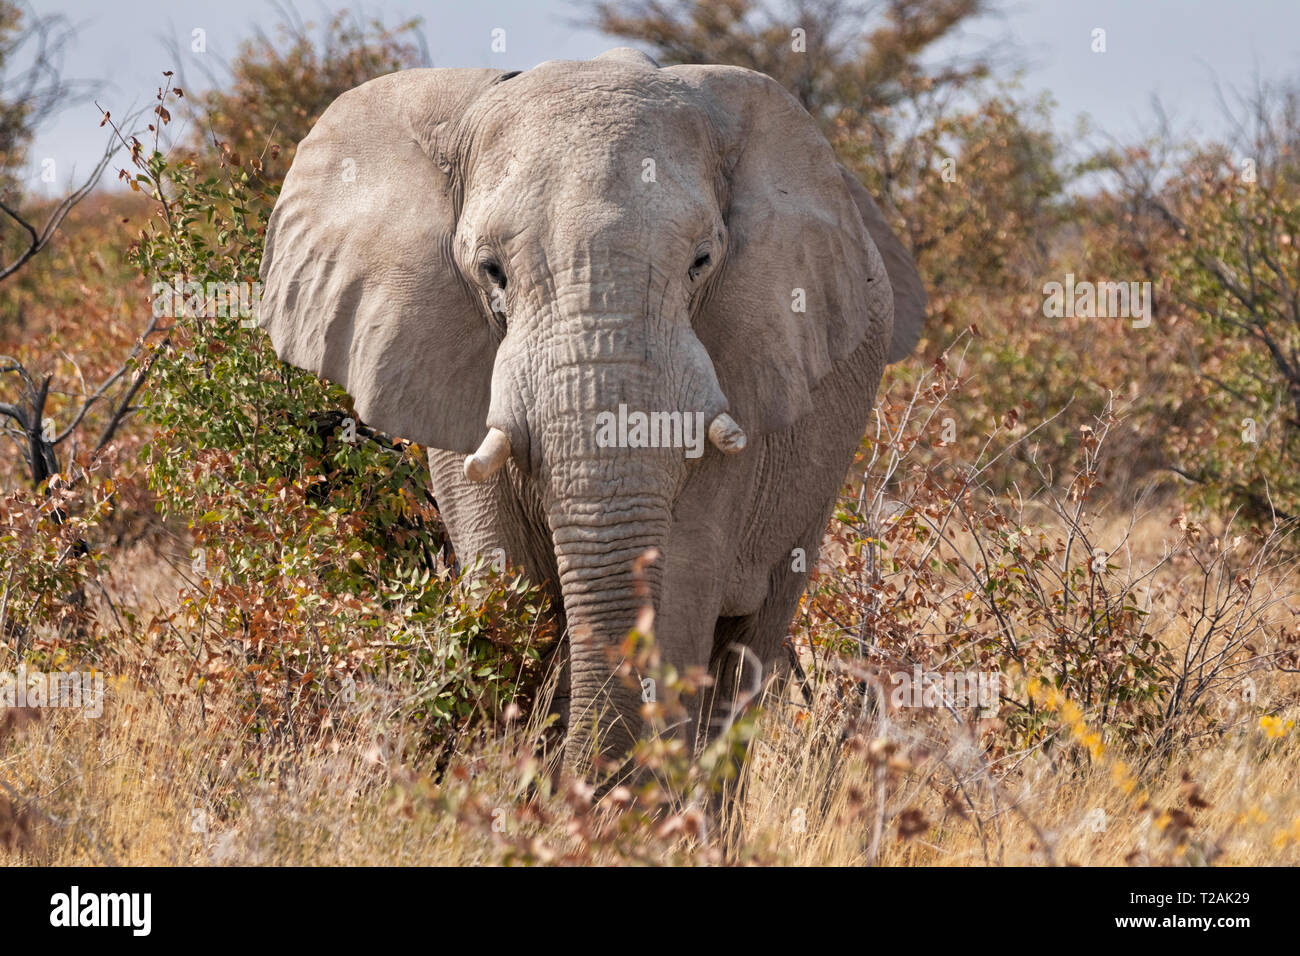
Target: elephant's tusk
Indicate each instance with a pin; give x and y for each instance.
(727, 435)
(489, 458)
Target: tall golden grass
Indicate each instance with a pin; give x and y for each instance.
(164, 778)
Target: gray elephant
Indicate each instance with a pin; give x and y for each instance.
(573, 275)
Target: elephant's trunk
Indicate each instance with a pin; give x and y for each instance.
(598, 542)
(609, 499)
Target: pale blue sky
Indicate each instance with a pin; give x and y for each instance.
(1173, 48)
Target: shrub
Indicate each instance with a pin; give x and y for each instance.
(929, 566)
(316, 559)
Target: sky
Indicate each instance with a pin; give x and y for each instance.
(1179, 50)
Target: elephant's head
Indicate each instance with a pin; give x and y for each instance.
(488, 262)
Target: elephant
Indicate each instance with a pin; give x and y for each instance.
(631, 311)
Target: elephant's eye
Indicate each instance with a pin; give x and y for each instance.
(702, 260)
(495, 274)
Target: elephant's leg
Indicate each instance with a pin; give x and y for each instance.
(493, 519)
(694, 561)
(747, 649)
(500, 521)
(746, 655)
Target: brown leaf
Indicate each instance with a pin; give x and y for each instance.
(911, 822)
(1191, 793)
(15, 826)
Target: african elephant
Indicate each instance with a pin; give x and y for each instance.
(572, 275)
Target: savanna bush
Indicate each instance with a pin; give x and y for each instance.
(317, 561)
(930, 565)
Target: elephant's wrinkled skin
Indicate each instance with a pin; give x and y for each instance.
(668, 240)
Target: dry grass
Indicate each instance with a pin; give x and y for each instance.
(158, 780)
(136, 788)
(949, 807)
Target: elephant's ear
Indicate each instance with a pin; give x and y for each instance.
(803, 284)
(359, 283)
(909, 293)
